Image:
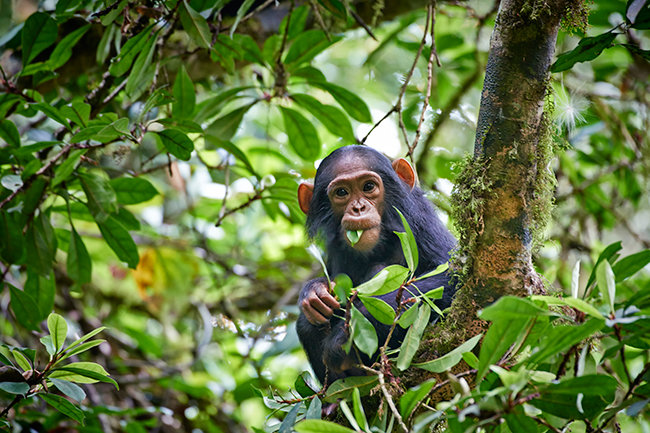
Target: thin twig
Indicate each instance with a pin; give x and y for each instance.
(433, 55)
(389, 398)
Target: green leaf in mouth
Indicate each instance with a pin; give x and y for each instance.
(353, 236)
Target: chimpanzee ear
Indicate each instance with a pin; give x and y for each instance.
(305, 193)
(404, 171)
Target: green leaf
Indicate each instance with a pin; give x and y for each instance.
(290, 419)
(303, 137)
(578, 304)
(344, 388)
(606, 284)
(630, 265)
(608, 254)
(320, 426)
(184, 96)
(379, 309)
(225, 127)
(315, 409)
(52, 112)
(411, 342)
(638, 14)
(342, 287)
(120, 241)
(78, 112)
(363, 334)
(78, 264)
(49, 345)
(133, 190)
(387, 280)
(445, 362)
(42, 290)
(9, 133)
(85, 337)
(58, 330)
(210, 107)
(308, 45)
(500, 337)
(101, 199)
(21, 360)
(12, 241)
(63, 50)
(41, 244)
(102, 133)
(512, 307)
(70, 389)
(63, 171)
(413, 396)
(142, 73)
(79, 349)
(243, 8)
(64, 406)
(409, 245)
(359, 413)
(408, 317)
(331, 117)
(134, 46)
(12, 182)
(587, 49)
(233, 150)
(14, 388)
(39, 32)
(304, 385)
(560, 339)
(519, 422)
(80, 372)
(350, 102)
(578, 397)
(176, 143)
(195, 25)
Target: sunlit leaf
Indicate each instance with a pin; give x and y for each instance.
(411, 342)
(387, 280)
(445, 362)
(588, 49)
(606, 284)
(303, 137)
(58, 330)
(133, 190)
(320, 426)
(120, 241)
(351, 103)
(379, 309)
(413, 396)
(363, 334)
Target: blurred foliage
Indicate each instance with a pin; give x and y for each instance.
(150, 154)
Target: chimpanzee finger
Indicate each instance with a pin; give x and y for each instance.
(313, 314)
(326, 297)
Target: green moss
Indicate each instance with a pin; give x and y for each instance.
(576, 16)
(467, 202)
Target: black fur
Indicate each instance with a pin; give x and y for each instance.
(323, 343)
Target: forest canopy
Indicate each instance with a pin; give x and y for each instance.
(152, 246)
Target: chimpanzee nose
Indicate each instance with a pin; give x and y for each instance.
(358, 208)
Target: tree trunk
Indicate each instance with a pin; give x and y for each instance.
(504, 194)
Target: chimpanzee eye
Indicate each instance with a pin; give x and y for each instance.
(369, 186)
(341, 192)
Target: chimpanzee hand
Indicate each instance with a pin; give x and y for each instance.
(316, 302)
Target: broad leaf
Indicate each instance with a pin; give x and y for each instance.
(350, 102)
(176, 143)
(70, 389)
(120, 241)
(606, 284)
(387, 280)
(24, 307)
(630, 265)
(78, 264)
(450, 359)
(413, 396)
(195, 25)
(9, 133)
(587, 49)
(303, 137)
(320, 426)
(39, 32)
(379, 309)
(63, 50)
(411, 342)
(343, 388)
(363, 333)
(58, 330)
(133, 190)
(184, 96)
(64, 406)
(331, 117)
